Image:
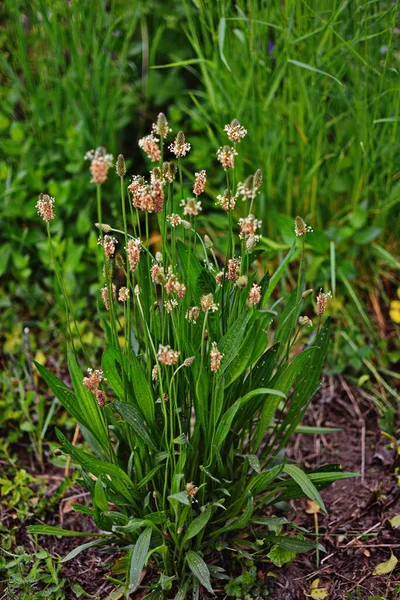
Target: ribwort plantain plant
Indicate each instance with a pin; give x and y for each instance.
(188, 415)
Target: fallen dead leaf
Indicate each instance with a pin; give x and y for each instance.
(312, 507)
(316, 592)
(395, 521)
(386, 567)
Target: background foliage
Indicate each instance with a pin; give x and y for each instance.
(316, 84)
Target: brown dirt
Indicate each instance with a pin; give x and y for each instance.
(356, 532)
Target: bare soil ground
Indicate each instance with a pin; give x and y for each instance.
(356, 532)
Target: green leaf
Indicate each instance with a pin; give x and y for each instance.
(80, 549)
(227, 419)
(308, 430)
(196, 276)
(181, 497)
(115, 477)
(283, 381)
(138, 558)
(181, 63)
(261, 392)
(231, 341)
(251, 348)
(225, 424)
(320, 479)
(199, 569)
(386, 256)
(294, 544)
(367, 235)
(110, 357)
(182, 591)
(305, 483)
(132, 525)
(279, 556)
(53, 530)
(259, 483)
(90, 408)
(242, 520)
(306, 385)
(313, 69)
(63, 393)
(197, 524)
(142, 389)
(279, 272)
(221, 40)
(100, 498)
(134, 418)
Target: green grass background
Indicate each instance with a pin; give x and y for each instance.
(315, 83)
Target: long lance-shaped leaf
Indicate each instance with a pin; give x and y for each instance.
(251, 348)
(239, 522)
(114, 379)
(134, 418)
(260, 483)
(305, 483)
(283, 382)
(198, 524)
(90, 408)
(227, 419)
(64, 394)
(142, 389)
(263, 369)
(53, 530)
(259, 377)
(140, 384)
(273, 282)
(305, 390)
(115, 477)
(138, 559)
(293, 544)
(80, 549)
(321, 480)
(231, 341)
(196, 275)
(80, 410)
(199, 569)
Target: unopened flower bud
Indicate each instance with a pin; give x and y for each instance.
(156, 173)
(104, 227)
(189, 361)
(300, 227)
(307, 294)
(303, 321)
(252, 241)
(119, 261)
(161, 127)
(258, 178)
(242, 281)
(120, 167)
(173, 168)
(208, 242)
(108, 270)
